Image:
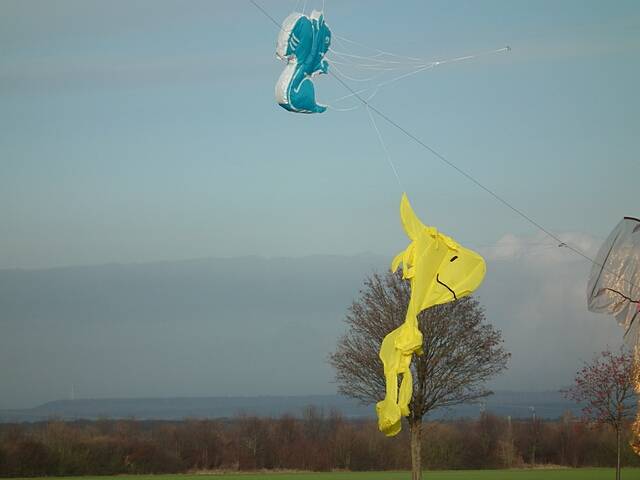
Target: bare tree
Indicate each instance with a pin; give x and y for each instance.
(461, 352)
(606, 389)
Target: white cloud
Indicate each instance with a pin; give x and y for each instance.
(535, 293)
(542, 249)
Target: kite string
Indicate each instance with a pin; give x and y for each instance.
(363, 66)
(380, 52)
(381, 84)
(275, 22)
(375, 58)
(481, 185)
(455, 167)
(351, 109)
(458, 169)
(434, 152)
(374, 88)
(412, 60)
(416, 71)
(354, 79)
(384, 147)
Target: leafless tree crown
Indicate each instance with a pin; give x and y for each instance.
(461, 350)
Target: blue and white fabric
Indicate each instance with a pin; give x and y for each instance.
(302, 43)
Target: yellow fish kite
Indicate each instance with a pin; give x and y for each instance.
(439, 271)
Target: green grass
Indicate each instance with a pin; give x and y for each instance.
(541, 474)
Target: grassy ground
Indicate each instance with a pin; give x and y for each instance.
(541, 474)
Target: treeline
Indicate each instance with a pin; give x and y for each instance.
(315, 441)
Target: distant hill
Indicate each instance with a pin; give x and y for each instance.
(548, 405)
(226, 327)
(190, 328)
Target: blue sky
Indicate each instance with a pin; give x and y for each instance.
(135, 131)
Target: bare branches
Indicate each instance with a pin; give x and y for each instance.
(461, 350)
(605, 387)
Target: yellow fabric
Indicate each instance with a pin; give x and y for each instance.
(432, 262)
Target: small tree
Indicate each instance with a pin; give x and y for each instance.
(605, 387)
(461, 352)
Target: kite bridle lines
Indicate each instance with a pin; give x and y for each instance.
(471, 178)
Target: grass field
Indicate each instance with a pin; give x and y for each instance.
(540, 474)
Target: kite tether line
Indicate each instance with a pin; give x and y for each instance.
(441, 157)
(417, 68)
(471, 178)
(384, 147)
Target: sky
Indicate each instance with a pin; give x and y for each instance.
(146, 130)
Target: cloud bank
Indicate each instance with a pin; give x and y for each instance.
(535, 292)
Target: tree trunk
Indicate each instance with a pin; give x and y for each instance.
(618, 450)
(416, 454)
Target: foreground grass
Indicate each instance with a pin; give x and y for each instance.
(538, 474)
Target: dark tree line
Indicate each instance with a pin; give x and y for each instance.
(315, 441)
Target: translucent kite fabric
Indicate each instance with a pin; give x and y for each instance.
(439, 271)
(614, 289)
(302, 43)
(614, 283)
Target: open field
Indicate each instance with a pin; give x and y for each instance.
(529, 474)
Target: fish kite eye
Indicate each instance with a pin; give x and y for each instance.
(453, 258)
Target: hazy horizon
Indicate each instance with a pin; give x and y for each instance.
(167, 229)
(172, 329)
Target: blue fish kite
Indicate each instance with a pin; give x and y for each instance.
(302, 43)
